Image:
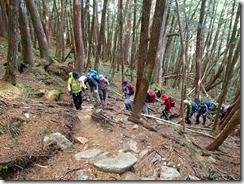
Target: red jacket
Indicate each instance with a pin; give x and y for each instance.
(167, 104)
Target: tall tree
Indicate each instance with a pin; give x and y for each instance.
(151, 58)
(60, 32)
(46, 19)
(199, 52)
(143, 46)
(41, 37)
(3, 19)
(25, 35)
(79, 47)
(101, 34)
(11, 68)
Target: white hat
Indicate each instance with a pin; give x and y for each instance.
(83, 77)
(185, 101)
(101, 76)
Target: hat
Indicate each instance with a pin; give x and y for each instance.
(185, 101)
(83, 77)
(76, 75)
(101, 76)
(124, 83)
(164, 97)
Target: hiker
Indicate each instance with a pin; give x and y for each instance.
(126, 90)
(202, 110)
(92, 81)
(191, 109)
(145, 107)
(150, 98)
(223, 111)
(167, 103)
(74, 88)
(102, 86)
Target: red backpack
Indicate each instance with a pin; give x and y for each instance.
(151, 96)
(131, 89)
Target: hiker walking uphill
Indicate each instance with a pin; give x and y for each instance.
(103, 84)
(150, 98)
(92, 81)
(127, 92)
(167, 103)
(74, 88)
(202, 111)
(191, 109)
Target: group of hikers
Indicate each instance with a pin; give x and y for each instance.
(96, 85)
(201, 109)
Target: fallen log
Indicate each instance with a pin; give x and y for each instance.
(165, 122)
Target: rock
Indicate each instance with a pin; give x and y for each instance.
(130, 146)
(168, 173)
(121, 163)
(129, 176)
(87, 154)
(80, 175)
(60, 139)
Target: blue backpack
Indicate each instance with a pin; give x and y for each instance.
(92, 73)
(208, 103)
(194, 107)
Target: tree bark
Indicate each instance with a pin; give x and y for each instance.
(225, 133)
(12, 58)
(41, 37)
(25, 35)
(101, 34)
(79, 47)
(151, 57)
(144, 38)
(199, 53)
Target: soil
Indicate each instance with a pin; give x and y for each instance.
(26, 157)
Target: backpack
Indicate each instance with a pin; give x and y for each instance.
(91, 73)
(202, 108)
(96, 77)
(102, 84)
(151, 96)
(172, 102)
(208, 103)
(131, 89)
(194, 106)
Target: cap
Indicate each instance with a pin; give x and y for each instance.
(164, 97)
(185, 101)
(76, 75)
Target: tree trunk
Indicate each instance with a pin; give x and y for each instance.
(12, 58)
(60, 49)
(25, 35)
(41, 37)
(101, 35)
(143, 46)
(199, 53)
(4, 19)
(46, 19)
(80, 54)
(226, 132)
(151, 57)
